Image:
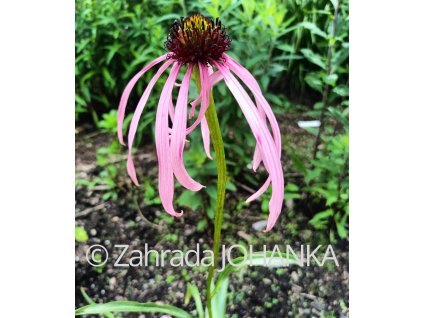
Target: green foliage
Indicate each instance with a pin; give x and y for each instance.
(80, 234)
(113, 38)
(278, 41)
(192, 291)
(267, 259)
(150, 196)
(329, 182)
(91, 302)
(220, 292)
(131, 306)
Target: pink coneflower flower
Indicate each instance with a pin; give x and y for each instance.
(202, 42)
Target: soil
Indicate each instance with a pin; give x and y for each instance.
(309, 291)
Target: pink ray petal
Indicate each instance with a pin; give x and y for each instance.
(256, 158)
(268, 149)
(127, 91)
(179, 134)
(205, 132)
(215, 78)
(136, 118)
(205, 93)
(193, 106)
(171, 110)
(262, 104)
(166, 186)
(260, 191)
(257, 155)
(252, 84)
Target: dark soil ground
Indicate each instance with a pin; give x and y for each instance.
(309, 291)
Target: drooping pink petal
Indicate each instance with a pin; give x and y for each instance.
(127, 91)
(179, 134)
(205, 132)
(262, 105)
(260, 191)
(256, 158)
(193, 106)
(171, 110)
(215, 78)
(268, 149)
(205, 96)
(257, 155)
(166, 186)
(136, 118)
(252, 84)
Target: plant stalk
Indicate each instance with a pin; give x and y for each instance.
(327, 87)
(217, 141)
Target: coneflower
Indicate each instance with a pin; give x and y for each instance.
(201, 42)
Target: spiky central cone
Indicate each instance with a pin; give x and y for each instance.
(197, 39)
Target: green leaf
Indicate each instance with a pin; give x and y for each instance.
(219, 300)
(313, 58)
(290, 187)
(91, 302)
(314, 81)
(171, 16)
(201, 225)
(321, 217)
(265, 205)
(80, 100)
(298, 163)
(341, 90)
(256, 259)
(339, 117)
(80, 234)
(230, 186)
(286, 47)
(112, 51)
(291, 196)
(190, 200)
(331, 79)
(341, 223)
(313, 28)
(86, 297)
(131, 306)
(192, 290)
(334, 3)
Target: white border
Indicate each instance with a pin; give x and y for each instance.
(386, 158)
(37, 158)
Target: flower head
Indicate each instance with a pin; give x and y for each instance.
(197, 39)
(201, 42)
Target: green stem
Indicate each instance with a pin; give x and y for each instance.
(326, 91)
(184, 8)
(217, 140)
